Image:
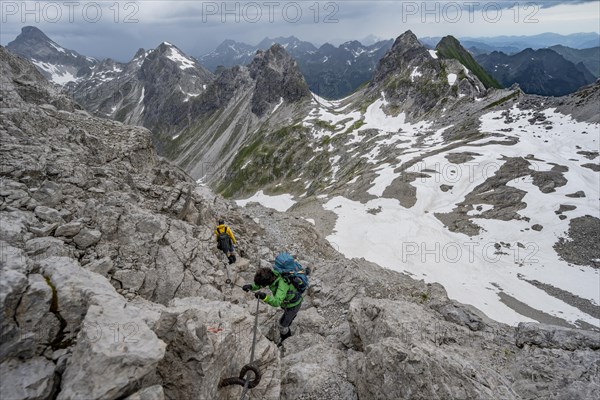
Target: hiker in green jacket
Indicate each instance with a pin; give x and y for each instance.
(283, 294)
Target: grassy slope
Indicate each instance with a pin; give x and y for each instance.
(449, 47)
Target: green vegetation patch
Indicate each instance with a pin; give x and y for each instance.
(450, 48)
(356, 125)
(325, 125)
(266, 160)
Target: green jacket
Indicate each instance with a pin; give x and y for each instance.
(282, 293)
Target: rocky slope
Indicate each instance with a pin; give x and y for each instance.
(56, 63)
(242, 104)
(112, 288)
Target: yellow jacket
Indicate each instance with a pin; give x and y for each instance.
(226, 229)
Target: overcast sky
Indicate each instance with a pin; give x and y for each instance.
(117, 30)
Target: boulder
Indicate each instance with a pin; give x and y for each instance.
(87, 237)
(14, 225)
(100, 266)
(313, 368)
(115, 351)
(48, 214)
(68, 230)
(13, 284)
(209, 341)
(49, 194)
(34, 313)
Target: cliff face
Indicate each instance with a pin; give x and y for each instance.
(111, 287)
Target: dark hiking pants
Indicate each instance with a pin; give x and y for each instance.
(289, 314)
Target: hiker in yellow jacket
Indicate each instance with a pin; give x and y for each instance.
(225, 240)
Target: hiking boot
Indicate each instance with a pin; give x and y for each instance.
(284, 336)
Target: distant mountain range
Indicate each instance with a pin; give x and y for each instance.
(542, 72)
(331, 72)
(515, 44)
(156, 82)
(589, 57)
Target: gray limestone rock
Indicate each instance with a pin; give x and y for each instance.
(150, 393)
(87, 237)
(31, 379)
(68, 230)
(48, 214)
(554, 337)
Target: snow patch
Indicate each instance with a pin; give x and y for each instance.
(57, 74)
(452, 79)
(57, 47)
(282, 202)
(433, 54)
(278, 105)
(415, 74)
(176, 56)
(142, 95)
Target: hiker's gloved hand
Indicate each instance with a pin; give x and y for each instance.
(260, 295)
(247, 287)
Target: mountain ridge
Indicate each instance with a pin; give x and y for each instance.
(330, 71)
(542, 71)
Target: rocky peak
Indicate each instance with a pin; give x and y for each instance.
(352, 45)
(165, 47)
(406, 51)
(140, 53)
(226, 43)
(32, 43)
(276, 58)
(32, 33)
(405, 42)
(277, 77)
(448, 42)
(415, 79)
(56, 63)
(327, 47)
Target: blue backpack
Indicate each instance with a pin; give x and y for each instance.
(292, 271)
